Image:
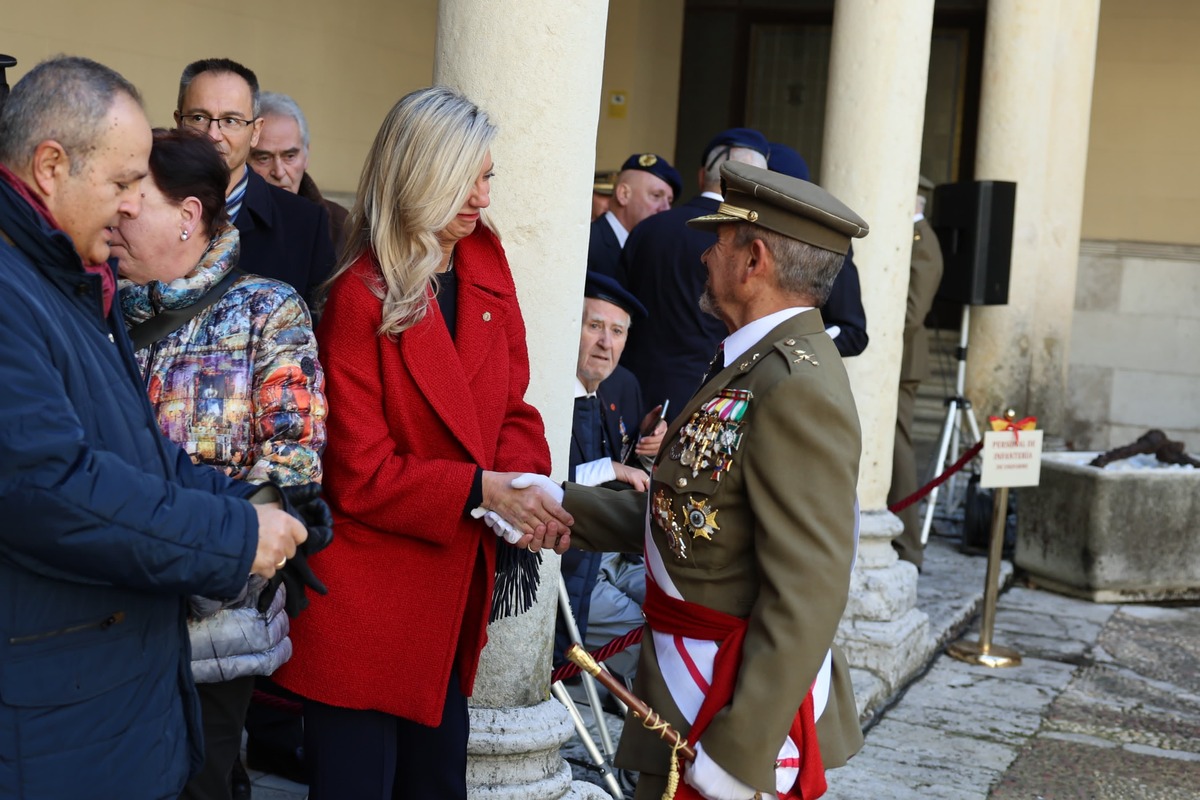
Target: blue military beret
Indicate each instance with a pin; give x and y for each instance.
(735, 137)
(657, 166)
(787, 161)
(601, 287)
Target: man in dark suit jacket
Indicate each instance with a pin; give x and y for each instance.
(284, 236)
(669, 352)
(281, 157)
(605, 440)
(844, 315)
(647, 184)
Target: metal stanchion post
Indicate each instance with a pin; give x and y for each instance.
(983, 652)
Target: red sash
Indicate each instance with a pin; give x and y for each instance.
(693, 621)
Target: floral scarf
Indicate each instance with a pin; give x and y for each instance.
(140, 303)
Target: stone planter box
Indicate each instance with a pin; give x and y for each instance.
(1111, 535)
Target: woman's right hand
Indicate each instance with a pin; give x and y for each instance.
(532, 511)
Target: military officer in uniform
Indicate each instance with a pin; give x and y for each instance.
(751, 533)
(924, 275)
(646, 185)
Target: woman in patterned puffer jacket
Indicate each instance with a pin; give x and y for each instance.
(238, 386)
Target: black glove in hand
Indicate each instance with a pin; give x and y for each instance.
(305, 504)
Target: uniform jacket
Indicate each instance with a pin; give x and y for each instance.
(284, 237)
(411, 420)
(604, 250)
(240, 387)
(107, 527)
(924, 276)
(780, 525)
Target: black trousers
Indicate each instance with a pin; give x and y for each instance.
(370, 755)
(222, 712)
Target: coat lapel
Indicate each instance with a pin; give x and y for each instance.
(434, 365)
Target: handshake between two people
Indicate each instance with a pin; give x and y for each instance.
(526, 510)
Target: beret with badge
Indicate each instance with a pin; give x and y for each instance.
(789, 206)
(603, 287)
(657, 166)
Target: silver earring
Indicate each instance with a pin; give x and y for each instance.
(183, 236)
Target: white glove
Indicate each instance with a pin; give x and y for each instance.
(709, 779)
(542, 482)
(498, 524)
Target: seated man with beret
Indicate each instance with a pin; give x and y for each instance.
(606, 433)
(646, 185)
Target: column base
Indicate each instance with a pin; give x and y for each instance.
(513, 754)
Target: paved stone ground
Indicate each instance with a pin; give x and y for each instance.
(1105, 706)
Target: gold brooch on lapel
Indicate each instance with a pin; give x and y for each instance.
(664, 516)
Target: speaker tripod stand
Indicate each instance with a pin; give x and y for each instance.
(958, 408)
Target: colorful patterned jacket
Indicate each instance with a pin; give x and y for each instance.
(240, 388)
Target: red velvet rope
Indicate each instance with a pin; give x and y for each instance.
(600, 654)
(938, 481)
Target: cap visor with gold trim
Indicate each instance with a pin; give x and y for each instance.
(789, 206)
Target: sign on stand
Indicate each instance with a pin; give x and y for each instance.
(1011, 458)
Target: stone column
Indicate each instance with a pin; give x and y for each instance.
(878, 71)
(1015, 123)
(1073, 70)
(535, 65)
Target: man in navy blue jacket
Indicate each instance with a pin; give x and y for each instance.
(647, 184)
(605, 435)
(107, 526)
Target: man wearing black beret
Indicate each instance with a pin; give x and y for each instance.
(646, 185)
(605, 440)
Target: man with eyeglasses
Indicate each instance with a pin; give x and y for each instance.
(281, 156)
(284, 236)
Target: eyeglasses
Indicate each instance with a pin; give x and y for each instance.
(201, 122)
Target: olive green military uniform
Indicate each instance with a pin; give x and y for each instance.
(925, 274)
(774, 543)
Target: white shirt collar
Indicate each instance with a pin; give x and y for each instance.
(580, 389)
(917, 217)
(743, 338)
(617, 228)
(713, 196)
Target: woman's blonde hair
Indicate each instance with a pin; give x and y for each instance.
(417, 176)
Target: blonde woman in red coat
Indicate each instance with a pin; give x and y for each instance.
(426, 372)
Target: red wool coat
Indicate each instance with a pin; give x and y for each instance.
(409, 574)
